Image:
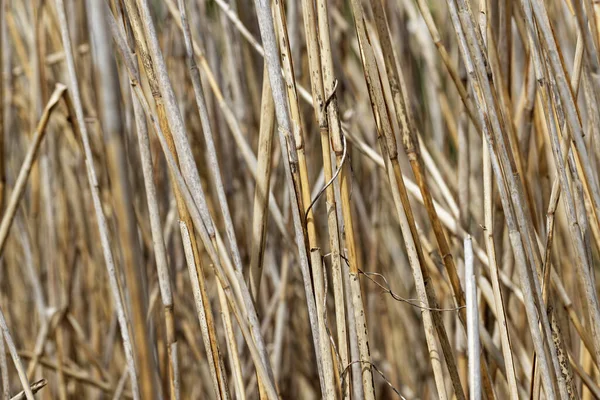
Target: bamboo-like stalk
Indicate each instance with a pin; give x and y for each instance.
(288, 149)
(321, 102)
(306, 201)
(498, 299)
(472, 323)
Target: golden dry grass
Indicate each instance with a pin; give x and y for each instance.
(299, 199)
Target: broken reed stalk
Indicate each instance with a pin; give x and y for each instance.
(9, 215)
(472, 323)
(30, 158)
(15, 357)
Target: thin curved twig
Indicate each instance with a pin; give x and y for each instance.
(345, 373)
(337, 172)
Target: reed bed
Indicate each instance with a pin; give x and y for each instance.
(302, 199)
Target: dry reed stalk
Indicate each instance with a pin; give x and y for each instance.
(288, 149)
(411, 146)
(205, 315)
(247, 154)
(308, 217)
(498, 299)
(263, 181)
(218, 182)
(158, 244)
(388, 145)
(30, 158)
(15, 357)
(321, 103)
(519, 221)
(358, 330)
(136, 281)
(76, 111)
(35, 387)
(254, 342)
(3, 57)
(472, 323)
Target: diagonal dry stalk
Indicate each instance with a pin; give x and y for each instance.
(583, 263)
(231, 281)
(155, 223)
(208, 137)
(233, 124)
(388, 146)
(30, 158)
(205, 315)
(217, 180)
